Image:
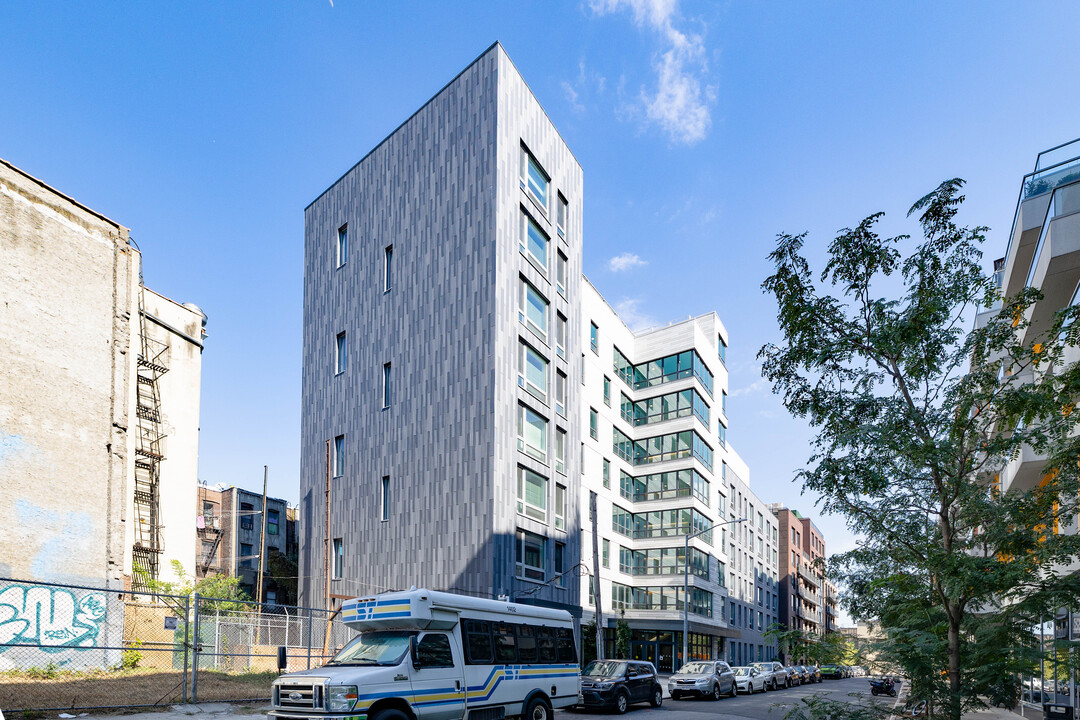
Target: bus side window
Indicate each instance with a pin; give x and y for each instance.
(564, 643)
(434, 651)
(478, 643)
(546, 643)
(503, 634)
(526, 644)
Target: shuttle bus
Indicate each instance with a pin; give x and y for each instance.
(424, 655)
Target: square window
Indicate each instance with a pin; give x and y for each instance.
(532, 372)
(533, 310)
(532, 433)
(534, 243)
(339, 456)
(530, 555)
(534, 179)
(532, 494)
(342, 245)
(339, 361)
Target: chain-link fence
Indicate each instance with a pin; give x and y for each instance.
(68, 647)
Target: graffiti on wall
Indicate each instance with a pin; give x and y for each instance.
(53, 618)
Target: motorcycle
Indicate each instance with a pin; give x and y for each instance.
(884, 686)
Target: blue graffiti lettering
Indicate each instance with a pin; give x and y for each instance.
(50, 618)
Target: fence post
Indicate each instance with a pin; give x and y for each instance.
(187, 635)
(309, 620)
(195, 654)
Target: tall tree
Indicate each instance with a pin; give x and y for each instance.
(915, 418)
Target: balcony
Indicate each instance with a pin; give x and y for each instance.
(1055, 264)
(1023, 472)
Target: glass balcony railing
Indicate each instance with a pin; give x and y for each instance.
(1064, 201)
(1054, 167)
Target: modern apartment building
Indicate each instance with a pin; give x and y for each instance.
(802, 586)
(442, 356)
(99, 398)
(1042, 253)
(654, 458)
(229, 528)
(831, 616)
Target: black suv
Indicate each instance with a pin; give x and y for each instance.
(616, 684)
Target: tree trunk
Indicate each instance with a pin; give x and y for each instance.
(954, 662)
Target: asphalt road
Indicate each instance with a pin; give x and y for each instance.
(770, 705)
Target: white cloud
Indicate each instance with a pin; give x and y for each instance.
(635, 319)
(680, 103)
(572, 97)
(626, 261)
(754, 387)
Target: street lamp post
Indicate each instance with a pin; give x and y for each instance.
(686, 584)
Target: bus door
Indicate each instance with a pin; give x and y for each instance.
(438, 678)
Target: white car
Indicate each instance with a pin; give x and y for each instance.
(776, 675)
(749, 679)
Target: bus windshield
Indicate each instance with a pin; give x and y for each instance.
(375, 648)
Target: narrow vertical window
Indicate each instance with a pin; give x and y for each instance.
(607, 391)
(339, 559)
(560, 564)
(606, 553)
(339, 362)
(386, 385)
(339, 456)
(722, 349)
(342, 245)
(534, 179)
(593, 423)
(560, 451)
(562, 212)
(723, 401)
(607, 473)
(560, 507)
(723, 435)
(384, 505)
(388, 267)
(560, 335)
(560, 392)
(594, 338)
(560, 273)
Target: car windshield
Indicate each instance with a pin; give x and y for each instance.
(374, 648)
(697, 668)
(605, 668)
(762, 666)
(741, 671)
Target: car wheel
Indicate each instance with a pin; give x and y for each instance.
(622, 702)
(734, 689)
(716, 694)
(537, 709)
(657, 697)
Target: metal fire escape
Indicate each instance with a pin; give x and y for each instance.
(153, 362)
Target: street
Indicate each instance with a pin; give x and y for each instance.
(771, 705)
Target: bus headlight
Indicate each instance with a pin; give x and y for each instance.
(340, 697)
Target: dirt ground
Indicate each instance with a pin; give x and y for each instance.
(74, 690)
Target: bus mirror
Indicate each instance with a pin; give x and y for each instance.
(414, 654)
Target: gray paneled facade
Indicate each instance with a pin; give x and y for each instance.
(444, 192)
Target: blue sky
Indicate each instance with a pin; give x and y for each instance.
(704, 128)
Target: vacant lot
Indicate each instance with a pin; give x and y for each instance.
(58, 689)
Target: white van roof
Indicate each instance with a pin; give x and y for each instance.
(435, 610)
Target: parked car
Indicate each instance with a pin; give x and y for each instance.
(617, 684)
(794, 676)
(749, 679)
(813, 673)
(707, 678)
(776, 675)
(830, 670)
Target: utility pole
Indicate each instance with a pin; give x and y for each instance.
(326, 539)
(262, 541)
(596, 579)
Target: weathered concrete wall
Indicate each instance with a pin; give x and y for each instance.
(65, 284)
